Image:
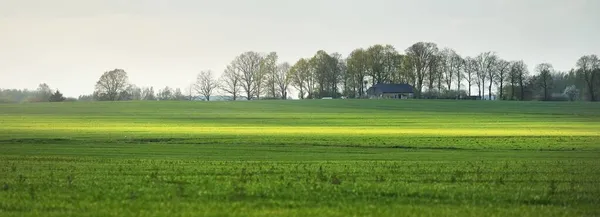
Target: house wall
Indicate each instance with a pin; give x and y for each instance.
(396, 95)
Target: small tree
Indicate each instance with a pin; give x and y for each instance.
(43, 93)
(57, 97)
(572, 92)
(178, 95)
(231, 81)
(166, 94)
(148, 94)
(206, 84)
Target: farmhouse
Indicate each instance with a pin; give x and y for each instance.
(390, 91)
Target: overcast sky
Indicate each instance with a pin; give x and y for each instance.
(70, 43)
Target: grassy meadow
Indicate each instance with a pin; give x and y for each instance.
(300, 158)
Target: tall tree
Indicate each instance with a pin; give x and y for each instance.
(513, 78)
(268, 73)
(357, 69)
(544, 78)
(521, 73)
(248, 64)
(588, 68)
(345, 79)
(400, 68)
(392, 62)
(485, 62)
(206, 84)
(407, 71)
(376, 62)
(422, 54)
(460, 69)
(111, 84)
(231, 81)
(452, 65)
(301, 78)
(440, 75)
(470, 68)
(326, 73)
(281, 79)
(335, 76)
(433, 75)
(491, 72)
(502, 68)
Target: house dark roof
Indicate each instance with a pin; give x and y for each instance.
(391, 88)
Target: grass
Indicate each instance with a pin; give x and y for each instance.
(300, 158)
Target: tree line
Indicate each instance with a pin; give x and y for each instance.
(42, 94)
(435, 73)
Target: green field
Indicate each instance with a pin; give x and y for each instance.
(300, 158)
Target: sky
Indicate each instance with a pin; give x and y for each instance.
(68, 44)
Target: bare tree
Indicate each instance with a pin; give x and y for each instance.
(502, 70)
(190, 91)
(248, 64)
(440, 75)
(491, 72)
(513, 79)
(231, 81)
(485, 62)
(470, 67)
(521, 73)
(460, 75)
(589, 69)
(282, 80)
(544, 78)
(206, 84)
(452, 63)
(148, 94)
(111, 84)
(422, 54)
(433, 72)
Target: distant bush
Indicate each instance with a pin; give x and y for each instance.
(571, 92)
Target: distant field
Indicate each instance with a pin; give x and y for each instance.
(300, 158)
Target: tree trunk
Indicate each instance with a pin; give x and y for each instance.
(458, 88)
(469, 88)
(490, 91)
(501, 91)
(591, 90)
(482, 88)
(512, 90)
(522, 91)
